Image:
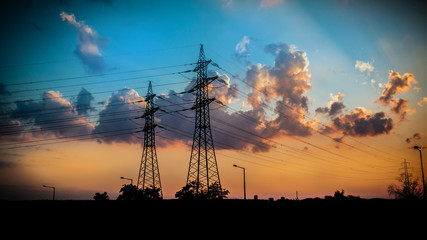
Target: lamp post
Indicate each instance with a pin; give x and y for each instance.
(422, 171)
(244, 180)
(53, 190)
(131, 181)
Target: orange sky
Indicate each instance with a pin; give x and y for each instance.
(79, 169)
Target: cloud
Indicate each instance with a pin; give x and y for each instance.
(397, 84)
(400, 106)
(174, 117)
(242, 46)
(53, 115)
(89, 45)
(289, 76)
(269, 3)
(221, 88)
(83, 103)
(358, 123)
(415, 137)
(230, 130)
(334, 107)
(361, 123)
(420, 103)
(286, 82)
(119, 119)
(364, 66)
(242, 50)
(283, 84)
(10, 129)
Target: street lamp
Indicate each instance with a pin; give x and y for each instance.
(244, 179)
(131, 181)
(53, 190)
(422, 171)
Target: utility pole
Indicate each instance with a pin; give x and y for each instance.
(422, 170)
(149, 175)
(203, 168)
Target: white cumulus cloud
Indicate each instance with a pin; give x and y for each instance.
(364, 66)
(89, 44)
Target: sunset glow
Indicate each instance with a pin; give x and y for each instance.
(311, 96)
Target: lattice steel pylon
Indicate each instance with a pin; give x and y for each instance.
(203, 167)
(149, 175)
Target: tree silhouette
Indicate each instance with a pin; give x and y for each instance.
(216, 192)
(151, 193)
(409, 188)
(189, 191)
(340, 196)
(128, 192)
(101, 197)
(131, 192)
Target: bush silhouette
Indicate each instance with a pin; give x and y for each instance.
(101, 197)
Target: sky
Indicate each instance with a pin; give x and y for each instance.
(311, 96)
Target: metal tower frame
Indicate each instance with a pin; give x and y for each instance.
(203, 166)
(149, 175)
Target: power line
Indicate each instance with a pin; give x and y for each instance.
(71, 138)
(285, 115)
(101, 75)
(76, 60)
(235, 135)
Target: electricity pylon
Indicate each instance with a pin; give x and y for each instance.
(406, 175)
(203, 168)
(149, 175)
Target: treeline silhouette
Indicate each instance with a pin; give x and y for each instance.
(191, 191)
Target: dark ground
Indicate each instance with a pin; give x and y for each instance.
(221, 208)
(173, 217)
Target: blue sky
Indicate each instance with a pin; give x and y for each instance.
(142, 34)
(316, 55)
